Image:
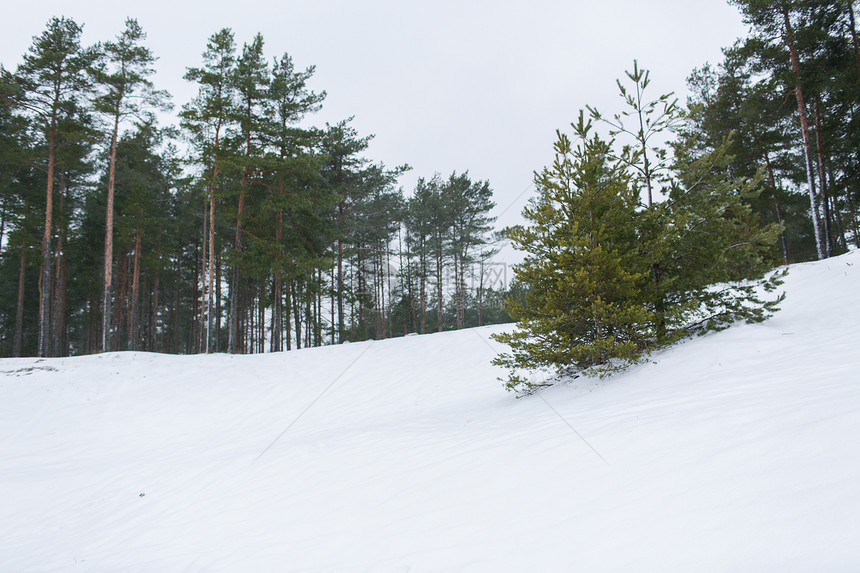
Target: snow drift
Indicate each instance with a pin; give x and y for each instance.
(736, 451)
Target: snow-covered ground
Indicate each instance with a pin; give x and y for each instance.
(738, 451)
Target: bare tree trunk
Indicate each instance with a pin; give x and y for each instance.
(804, 128)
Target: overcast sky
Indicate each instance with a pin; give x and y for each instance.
(444, 85)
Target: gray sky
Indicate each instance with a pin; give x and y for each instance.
(444, 85)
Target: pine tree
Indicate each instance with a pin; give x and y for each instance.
(609, 280)
(123, 74)
(343, 170)
(52, 78)
(207, 118)
(468, 204)
(711, 236)
(584, 309)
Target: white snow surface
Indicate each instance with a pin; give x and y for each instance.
(737, 451)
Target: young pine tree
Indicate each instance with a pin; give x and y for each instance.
(582, 310)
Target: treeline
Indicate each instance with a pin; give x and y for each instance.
(240, 230)
(790, 95)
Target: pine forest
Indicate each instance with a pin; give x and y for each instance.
(240, 230)
(245, 228)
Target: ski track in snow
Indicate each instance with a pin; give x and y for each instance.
(737, 451)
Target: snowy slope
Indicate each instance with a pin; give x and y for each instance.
(738, 451)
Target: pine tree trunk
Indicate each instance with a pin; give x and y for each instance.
(173, 332)
(19, 312)
(58, 326)
(93, 324)
(2, 225)
(210, 299)
(340, 318)
(45, 273)
(461, 302)
(277, 316)
(840, 227)
(318, 322)
(62, 325)
(248, 332)
(822, 180)
(201, 321)
(287, 310)
(108, 268)
(218, 273)
(772, 179)
(191, 344)
(133, 330)
(297, 315)
(389, 328)
(208, 290)
(481, 292)
(308, 316)
(804, 128)
(423, 290)
(332, 301)
(439, 289)
(58, 309)
(259, 347)
(153, 329)
(237, 245)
